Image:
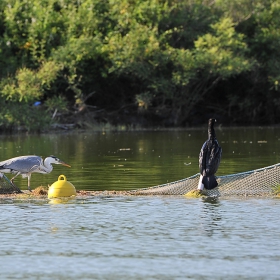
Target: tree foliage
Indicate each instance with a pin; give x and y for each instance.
(166, 62)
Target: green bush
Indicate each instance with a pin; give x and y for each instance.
(183, 60)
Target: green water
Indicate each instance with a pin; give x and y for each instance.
(135, 237)
(130, 160)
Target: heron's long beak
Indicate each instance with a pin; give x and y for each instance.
(65, 164)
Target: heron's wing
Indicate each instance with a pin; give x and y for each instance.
(22, 164)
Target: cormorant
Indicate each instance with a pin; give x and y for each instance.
(209, 159)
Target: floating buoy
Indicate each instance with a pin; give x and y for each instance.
(61, 188)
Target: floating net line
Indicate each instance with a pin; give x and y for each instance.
(259, 182)
(6, 187)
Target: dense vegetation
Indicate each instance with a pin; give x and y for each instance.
(147, 62)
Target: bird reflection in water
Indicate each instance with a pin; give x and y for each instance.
(210, 216)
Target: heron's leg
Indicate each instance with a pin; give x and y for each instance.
(28, 178)
(12, 180)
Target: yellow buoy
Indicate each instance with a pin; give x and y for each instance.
(61, 188)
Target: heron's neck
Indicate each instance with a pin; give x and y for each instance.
(47, 165)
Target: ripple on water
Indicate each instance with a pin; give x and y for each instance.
(140, 238)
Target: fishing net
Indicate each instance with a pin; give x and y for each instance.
(257, 182)
(6, 187)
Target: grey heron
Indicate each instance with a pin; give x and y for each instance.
(209, 159)
(26, 165)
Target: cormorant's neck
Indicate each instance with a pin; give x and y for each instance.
(211, 132)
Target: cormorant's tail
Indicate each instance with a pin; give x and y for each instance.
(209, 182)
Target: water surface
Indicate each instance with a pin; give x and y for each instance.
(140, 238)
(130, 160)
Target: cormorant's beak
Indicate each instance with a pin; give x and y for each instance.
(64, 164)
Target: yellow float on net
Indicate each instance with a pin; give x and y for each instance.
(61, 188)
(195, 193)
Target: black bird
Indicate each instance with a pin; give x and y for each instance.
(209, 159)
